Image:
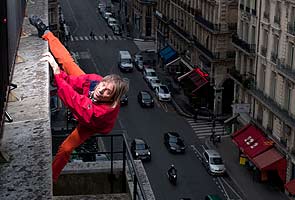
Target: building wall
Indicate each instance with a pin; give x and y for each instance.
(273, 57)
(207, 35)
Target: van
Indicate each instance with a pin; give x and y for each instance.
(125, 61)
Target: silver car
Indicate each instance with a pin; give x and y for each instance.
(213, 162)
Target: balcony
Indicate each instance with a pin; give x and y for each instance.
(274, 107)
(263, 51)
(291, 28)
(206, 23)
(243, 80)
(286, 70)
(209, 54)
(116, 174)
(249, 83)
(243, 45)
(253, 12)
(274, 57)
(180, 31)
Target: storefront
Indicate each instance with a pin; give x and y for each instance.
(259, 154)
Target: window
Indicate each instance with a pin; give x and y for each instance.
(287, 95)
(246, 31)
(273, 83)
(290, 58)
(270, 121)
(275, 44)
(253, 35)
(262, 77)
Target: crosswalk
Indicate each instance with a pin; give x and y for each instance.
(99, 37)
(203, 129)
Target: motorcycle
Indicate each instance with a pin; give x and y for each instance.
(172, 176)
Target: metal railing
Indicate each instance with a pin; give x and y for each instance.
(250, 48)
(117, 147)
(11, 19)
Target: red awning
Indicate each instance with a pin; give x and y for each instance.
(251, 141)
(271, 160)
(290, 187)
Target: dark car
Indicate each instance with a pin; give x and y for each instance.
(145, 99)
(174, 142)
(140, 149)
(117, 29)
(124, 99)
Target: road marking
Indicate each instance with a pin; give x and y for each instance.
(232, 189)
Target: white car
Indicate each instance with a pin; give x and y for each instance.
(112, 21)
(213, 162)
(163, 93)
(148, 74)
(154, 82)
(107, 15)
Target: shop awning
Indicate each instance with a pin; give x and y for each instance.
(290, 187)
(251, 141)
(271, 160)
(197, 76)
(168, 54)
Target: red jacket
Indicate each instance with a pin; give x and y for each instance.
(74, 92)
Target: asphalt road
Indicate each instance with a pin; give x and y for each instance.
(99, 56)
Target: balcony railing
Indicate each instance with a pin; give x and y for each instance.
(286, 69)
(215, 27)
(249, 48)
(206, 51)
(291, 28)
(263, 51)
(246, 82)
(274, 57)
(274, 107)
(180, 30)
(117, 147)
(208, 24)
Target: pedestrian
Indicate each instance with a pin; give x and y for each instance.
(106, 37)
(92, 35)
(94, 100)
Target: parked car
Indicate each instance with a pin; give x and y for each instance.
(154, 83)
(145, 99)
(138, 61)
(112, 21)
(174, 142)
(116, 29)
(102, 10)
(140, 149)
(163, 93)
(213, 162)
(107, 15)
(124, 100)
(149, 73)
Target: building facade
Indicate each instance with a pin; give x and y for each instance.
(200, 32)
(264, 71)
(139, 18)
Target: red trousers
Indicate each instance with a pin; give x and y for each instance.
(81, 133)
